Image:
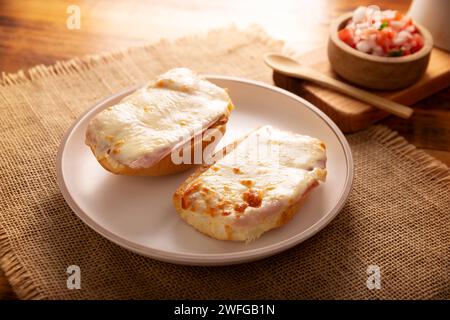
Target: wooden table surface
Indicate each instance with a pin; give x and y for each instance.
(35, 32)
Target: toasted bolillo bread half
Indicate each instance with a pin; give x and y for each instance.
(258, 184)
(139, 135)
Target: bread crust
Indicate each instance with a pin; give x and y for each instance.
(165, 166)
(283, 217)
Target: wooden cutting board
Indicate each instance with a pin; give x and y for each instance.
(352, 115)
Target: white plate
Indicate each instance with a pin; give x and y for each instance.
(137, 212)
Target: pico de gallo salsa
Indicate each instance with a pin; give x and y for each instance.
(386, 33)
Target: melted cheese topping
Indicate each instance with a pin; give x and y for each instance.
(148, 124)
(267, 172)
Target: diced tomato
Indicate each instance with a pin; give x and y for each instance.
(408, 22)
(384, 38)
(417, 41)
(346, 36)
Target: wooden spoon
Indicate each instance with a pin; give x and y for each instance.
(292, 68)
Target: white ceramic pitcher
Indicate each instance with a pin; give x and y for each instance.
(435, 16)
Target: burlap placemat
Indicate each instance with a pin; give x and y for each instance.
(398, 216)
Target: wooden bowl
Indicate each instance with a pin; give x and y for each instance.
(374, 72)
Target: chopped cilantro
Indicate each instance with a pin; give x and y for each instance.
(384, 25)
(395, 53)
